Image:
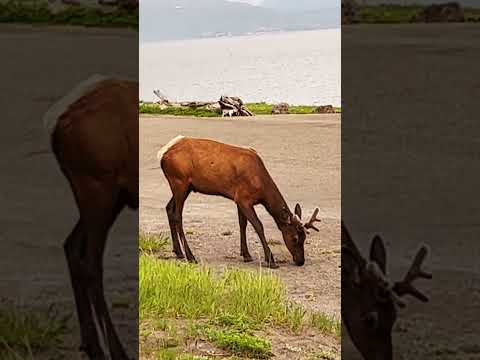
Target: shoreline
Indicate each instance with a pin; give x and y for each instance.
(212, 110)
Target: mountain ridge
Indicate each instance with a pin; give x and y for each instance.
(185, 19)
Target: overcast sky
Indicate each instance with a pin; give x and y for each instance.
(252, 2)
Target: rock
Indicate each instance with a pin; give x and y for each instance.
(349, 12)
(448, 12)
(282, 108)
(325, 109)
(215, 106)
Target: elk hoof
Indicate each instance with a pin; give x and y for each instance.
(273, 265)
(247, 259)
(92, 354)
(179, 255)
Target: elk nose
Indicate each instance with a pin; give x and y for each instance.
(300, 262)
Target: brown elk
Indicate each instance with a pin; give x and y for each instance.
(370, 300)
(238, 174)
(94, 136)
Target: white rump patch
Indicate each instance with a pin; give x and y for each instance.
(166, 147)
(56, 110)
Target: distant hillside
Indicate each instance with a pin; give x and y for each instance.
(182, 19)
(301, 5)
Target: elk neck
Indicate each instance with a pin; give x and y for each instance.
(275, 204)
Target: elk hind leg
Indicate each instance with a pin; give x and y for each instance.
(177, 249)
(180, 195)
(101, 206)
(74, 248)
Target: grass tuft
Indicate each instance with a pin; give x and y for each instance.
(152, 243)
(326, 324)
(241, 344)
(24, 332)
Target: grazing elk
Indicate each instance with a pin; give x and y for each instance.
(94, 136)
(236, 173)
(370, 300)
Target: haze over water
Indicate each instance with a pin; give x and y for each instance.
(294, 67)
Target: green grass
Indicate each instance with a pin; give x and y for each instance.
(152, 243)
(255, 108)
(236, 299)
(266, 109)
(472, 14)
(174, 289)
(37, 12)
(240, 343)
(23, 333)
(177, 111)
(399, 14)
(388, 14)
(170, 354)
(326, 324)
(227, 309)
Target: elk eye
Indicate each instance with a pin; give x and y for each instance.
(371, 320)
(383, 294)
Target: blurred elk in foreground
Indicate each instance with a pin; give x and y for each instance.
(238, 174)
(94, 136)
(370, 300)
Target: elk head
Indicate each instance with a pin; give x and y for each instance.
(295, 232)
(369, 300)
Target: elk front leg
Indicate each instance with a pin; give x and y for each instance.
(242, 220)
(252, 217)
(177, 249)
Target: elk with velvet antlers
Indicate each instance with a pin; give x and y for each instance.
(236, 173)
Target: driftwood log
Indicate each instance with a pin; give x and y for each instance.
(227, 105)
(233, 106)
(162, 97)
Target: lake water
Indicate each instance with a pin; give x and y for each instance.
(295, 67)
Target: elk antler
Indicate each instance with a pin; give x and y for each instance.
(309, 224)
(405, 287)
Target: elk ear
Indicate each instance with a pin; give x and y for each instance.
(350, 268)
(298, 210)
(378, 253)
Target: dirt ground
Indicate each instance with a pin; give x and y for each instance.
(302, 153)
(38, 211)
(407, 175)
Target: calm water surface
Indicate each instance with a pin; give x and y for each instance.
(297, 67)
